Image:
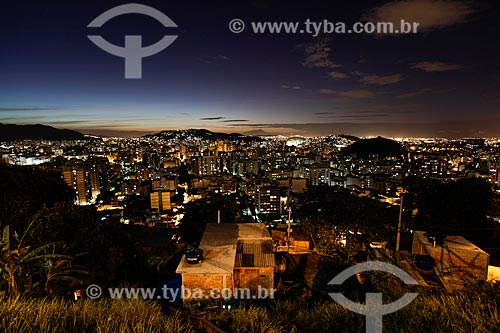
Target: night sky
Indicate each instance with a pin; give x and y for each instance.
(442, 81)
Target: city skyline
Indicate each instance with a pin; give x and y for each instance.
(442, 81)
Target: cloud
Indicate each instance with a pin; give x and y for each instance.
(349, 95)
(291, 87)
(356, 116)
(435, 66)
(338, 75)
(31, 108)
(235, 120)
(221, 57)
(390, 108)
(381, 80)
(218, 59)
(350, 114)
(327, 91)
(430, 14)
(212, 118)
(358, 73)
(318, 56)
(358, 94)
(69, 122)
(413, 94)
(224, 121)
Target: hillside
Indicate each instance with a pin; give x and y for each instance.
(381, 146)
(12, 132)
(201, 134)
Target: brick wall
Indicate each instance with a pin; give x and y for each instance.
(206, 282)
(253, 277)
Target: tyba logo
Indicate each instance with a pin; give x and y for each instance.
(133, 52)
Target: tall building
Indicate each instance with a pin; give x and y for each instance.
(319, 175)
(160, 200)
(206, 165)
(212, 165)
(267, 198)
(96, 170)
(74, 176)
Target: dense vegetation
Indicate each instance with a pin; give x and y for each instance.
(461, 207)
(52, 246)
(379, 146)
(340, 222)
(25, 191)
(200, 212)
(457, 207)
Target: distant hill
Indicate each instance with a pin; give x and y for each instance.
(201, 134)
(259, 132)
(12, 132)
(381, 146)
(349, 137)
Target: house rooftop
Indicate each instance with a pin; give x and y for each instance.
(255, 253)
(220, 244)
(455, 242)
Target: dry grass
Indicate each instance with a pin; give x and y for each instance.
(442, 313)
(58, 315)
(471, 311)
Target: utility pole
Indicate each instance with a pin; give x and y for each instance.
(398, 239)
(289, 213)
(288, 229)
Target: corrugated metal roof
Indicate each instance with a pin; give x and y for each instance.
(254, 253)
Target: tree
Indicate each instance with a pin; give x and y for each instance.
(25, 191)
(183, 174)
(24, 268)
(453, 206)
(342, 223)
(203, 211)
(60, 270)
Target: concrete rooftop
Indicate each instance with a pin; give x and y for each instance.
(452, 242)
(219, 244)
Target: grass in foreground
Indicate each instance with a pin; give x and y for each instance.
(59, 315)
(428, 313)
(475, 311)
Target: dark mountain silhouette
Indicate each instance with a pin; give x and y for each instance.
(12, 132)
(381, 146)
